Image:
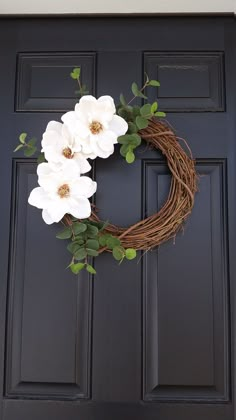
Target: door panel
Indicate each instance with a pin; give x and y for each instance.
(152, 338)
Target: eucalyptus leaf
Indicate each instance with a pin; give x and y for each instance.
(160, 114)
(154, 107)
(112, 242)
(64, 234)
(145, 110)
(124, 149)
(122, 99)
(132, 128)
(22, 137)
(79, 228)
(103, 239)
(141, 122)
(32, 142)
(102, 225)
(92, 231)
(41, 158)
(130, 157)
(118, 253)
(30, 151)
(76, 268)
(92, 244)
(90, 269)
(92, 252)
(135, 89)
(80, 254)
(18, 147)
(130, 253)
(154, 83)
(136, 111)
(74, 247)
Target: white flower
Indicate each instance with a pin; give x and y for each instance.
(59, 147)
(94, 125)
(61, 192)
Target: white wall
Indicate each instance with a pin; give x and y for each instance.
(116, 6)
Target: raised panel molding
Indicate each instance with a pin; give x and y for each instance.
(188, 360)
(44, 83)
(190, 81)
(48, 340)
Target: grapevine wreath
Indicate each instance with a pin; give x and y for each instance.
(88, 132)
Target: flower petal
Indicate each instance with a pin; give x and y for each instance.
(118, 125)
(46, 217)
(83, 164)
(39, 198)
(83, 187)
(57, 209)
(105, 141)
(54, 126)
(80, 208)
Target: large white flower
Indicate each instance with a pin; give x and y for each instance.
(62, 191)
(95, 126)
(59, 147)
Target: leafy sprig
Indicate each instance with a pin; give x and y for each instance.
(137, 118)
(76, 75)
(88, 239)
(29, 147)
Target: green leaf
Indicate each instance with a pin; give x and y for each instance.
(64, 234)
(30, 151)
(135, 89)
(118, 253)
(92, 231)
(80, 254)
(136, 111)
(137, 92)
(18, 147)
(22, 137)
(132, 128)
(145, 111)
(103, 239)
(147, 78)
(122, 99)
(112, 242)
(124, 149)
(92, 252)
(154, 107)
(154, 83)
(130, 157)
(130, 139)
(90, 269)
(134, 140)
(124, 113)
(92, 244)
(76, 268)
(102, 225)
(130, 253)
(74, 246)
(141, 122)
(124, 139)
(160, 114)
(75, 74)
(41, 158)
(32, 142)
(79, 228)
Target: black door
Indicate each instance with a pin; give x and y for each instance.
(153, 340)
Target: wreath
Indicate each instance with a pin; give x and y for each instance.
(90, 132)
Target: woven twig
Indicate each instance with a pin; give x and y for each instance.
(163, 225)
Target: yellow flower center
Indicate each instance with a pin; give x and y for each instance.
(63, 191)
(67, 152)
(95, 127)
